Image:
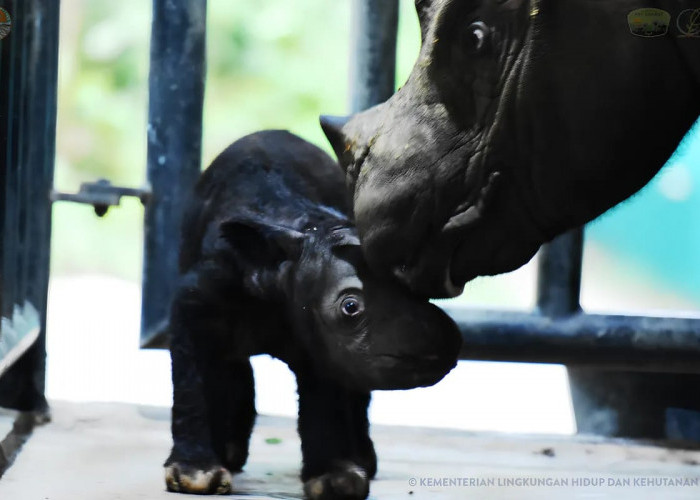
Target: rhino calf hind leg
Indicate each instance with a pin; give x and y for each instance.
(338, 454)
(231, 396)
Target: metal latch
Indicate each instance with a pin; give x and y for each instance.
(101, 194)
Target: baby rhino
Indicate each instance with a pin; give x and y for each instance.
(271, 263)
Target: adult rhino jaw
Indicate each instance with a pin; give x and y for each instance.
(520, 119)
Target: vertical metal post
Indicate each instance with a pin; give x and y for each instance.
(39, 157)
(613, 403)
(14, 76)
(559, 275)
(176, 94)
(28, 75)
(373, 59)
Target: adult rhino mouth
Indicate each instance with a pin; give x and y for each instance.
(445, 286)
(449, 281)
(435, 271)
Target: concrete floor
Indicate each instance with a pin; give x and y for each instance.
(112, 451)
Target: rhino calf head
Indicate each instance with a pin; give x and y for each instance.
(520, 119)
(365, 331)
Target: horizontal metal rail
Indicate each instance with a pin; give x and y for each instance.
(640, 343)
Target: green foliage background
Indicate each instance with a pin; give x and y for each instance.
(271, 64)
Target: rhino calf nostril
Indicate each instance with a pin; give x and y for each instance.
(400, 272)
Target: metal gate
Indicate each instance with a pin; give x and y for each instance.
(634, 376)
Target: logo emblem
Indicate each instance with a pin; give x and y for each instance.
(688, 23)
(5, 23)
(648, 22)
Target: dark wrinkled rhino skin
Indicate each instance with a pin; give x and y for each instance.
(521, 119)
(271, 263)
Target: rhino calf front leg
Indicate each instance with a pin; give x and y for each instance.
(339, 457)
(200, 480)
(348, 481)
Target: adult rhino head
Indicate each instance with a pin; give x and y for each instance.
(521, 119)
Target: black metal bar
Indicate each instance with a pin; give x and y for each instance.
(14, 49)
(176, 92)
(601, 341)
(373, 63)
(559, 275)
(41, 110)
(28, 72)
(6, 52)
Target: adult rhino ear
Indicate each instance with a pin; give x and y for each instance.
(261, 241)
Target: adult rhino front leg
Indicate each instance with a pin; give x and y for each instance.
(338, 454)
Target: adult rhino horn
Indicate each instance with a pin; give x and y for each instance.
(333, 128)
(425, 11)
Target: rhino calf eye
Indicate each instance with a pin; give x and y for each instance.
(351, 306)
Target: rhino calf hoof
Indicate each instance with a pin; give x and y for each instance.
(187, 479)
(349, 484)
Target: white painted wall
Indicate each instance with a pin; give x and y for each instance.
(93, 355)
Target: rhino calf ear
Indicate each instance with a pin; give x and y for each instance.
(262, 242)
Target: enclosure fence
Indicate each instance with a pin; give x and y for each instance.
(614, 361)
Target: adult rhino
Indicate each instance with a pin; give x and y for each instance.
(521, 119)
